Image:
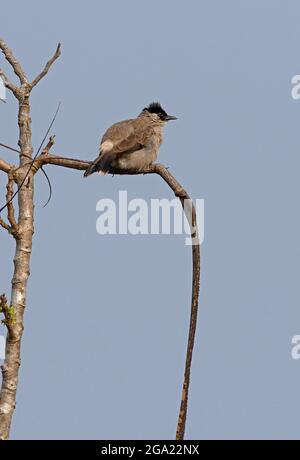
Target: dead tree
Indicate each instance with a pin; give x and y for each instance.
(21, 228)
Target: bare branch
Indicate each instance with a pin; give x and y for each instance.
(10, 148)
(10, 206)
(4, 166)
(47, 67)
(14, 89)
(82, 165)
(190, 211)
(5, 225)
(61, 161)
(13, 227)
(50, 144)
(14, 150)
(13, 62)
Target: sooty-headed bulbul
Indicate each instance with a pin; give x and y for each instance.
(132, 144)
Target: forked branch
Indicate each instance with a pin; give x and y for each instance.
(47, 67)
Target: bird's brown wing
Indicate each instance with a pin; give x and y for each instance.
(119, 131)
(126, 136)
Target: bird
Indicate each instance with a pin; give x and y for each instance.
(132, 144)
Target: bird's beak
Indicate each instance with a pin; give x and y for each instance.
(3, 100)
(170, 117)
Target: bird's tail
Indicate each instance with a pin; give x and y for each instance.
(101, 164)
(94, 167)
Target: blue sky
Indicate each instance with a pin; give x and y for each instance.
(107, 316)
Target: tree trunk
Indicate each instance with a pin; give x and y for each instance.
(23, 238)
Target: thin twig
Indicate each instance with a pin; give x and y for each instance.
(11, 148)
(32, 163)
(47, 67)
(50, 144)
(44, 152)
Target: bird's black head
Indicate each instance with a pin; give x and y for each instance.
(156, 108)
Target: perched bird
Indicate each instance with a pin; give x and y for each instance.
(132, 144)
